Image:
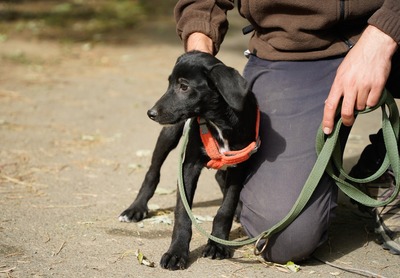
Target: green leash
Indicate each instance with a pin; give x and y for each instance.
(390, 129)
(329, 160)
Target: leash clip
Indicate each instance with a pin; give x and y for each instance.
(255, 149)
(256, 251)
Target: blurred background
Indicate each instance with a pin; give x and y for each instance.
(86, 20)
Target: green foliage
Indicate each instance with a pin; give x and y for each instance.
(80, 20)
(158, 7)
(105, 15)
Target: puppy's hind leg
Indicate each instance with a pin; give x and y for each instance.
(167, 141)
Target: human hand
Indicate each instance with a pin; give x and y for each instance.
(200, 42)
(360, 78)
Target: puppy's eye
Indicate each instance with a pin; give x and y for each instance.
(183, 87)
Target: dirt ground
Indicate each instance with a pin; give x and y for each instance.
(75, 143)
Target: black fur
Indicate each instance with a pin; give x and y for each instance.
(199, 85)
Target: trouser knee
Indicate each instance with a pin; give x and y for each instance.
(292, 246)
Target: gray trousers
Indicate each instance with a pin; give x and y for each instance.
(291, 97)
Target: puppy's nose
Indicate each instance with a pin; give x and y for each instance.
(152, 113)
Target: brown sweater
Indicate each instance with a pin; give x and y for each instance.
(292, 30)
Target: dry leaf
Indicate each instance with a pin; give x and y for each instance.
(201, 219)
(161, 219)
(164, 191)
(142, 259)
(87, 137)
(143, 153)
(135, 166)
(292, 266)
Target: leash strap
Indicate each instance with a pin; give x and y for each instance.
(329, 161)
(390, 129)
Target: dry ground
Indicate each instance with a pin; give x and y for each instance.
(75, 143)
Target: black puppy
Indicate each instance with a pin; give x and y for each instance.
(201, 86)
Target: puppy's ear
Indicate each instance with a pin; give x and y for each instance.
(232, 86)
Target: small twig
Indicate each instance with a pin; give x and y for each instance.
(235, 273)
(87, 194)
(116, 167)
(17, 181)
(63, 206)
(61, 248)
(48, 238)
(8, 270)
(14, 254)
(277, 266)
(358, 271)
(63, 167)
(13, 180)
(127, 253)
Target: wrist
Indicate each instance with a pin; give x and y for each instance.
(389, 45)
(200, 42)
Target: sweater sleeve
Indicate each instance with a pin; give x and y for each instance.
(387, 19)
(204, 16)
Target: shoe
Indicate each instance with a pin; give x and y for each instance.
(387, 218)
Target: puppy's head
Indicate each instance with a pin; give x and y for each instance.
(199, 83)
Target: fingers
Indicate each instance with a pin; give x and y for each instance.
(351, 101)
(353, 98)
(331, 104)
(361, 102)
(374, 96)
(349, 104)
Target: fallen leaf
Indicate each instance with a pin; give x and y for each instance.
(159, 212)
(292, 266)
(142, 259)
(288, 267)
(135, 166)
(201, 219)
(164, 191)
(162, 219)
(86, 137)
(143, 153)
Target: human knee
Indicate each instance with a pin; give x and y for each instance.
(296, 243)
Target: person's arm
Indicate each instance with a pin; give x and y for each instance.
(201, 22)
(200, 42)
(363, 73)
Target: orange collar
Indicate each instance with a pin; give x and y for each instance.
(222, 160)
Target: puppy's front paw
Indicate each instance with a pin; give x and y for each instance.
(218, 251)
(174, 261)
(134, 213)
